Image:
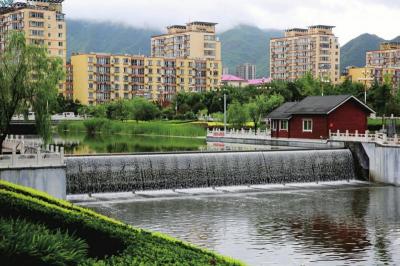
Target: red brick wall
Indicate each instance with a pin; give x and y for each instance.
(350, 116)
(320, 127)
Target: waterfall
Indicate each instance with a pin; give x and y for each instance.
(96, 174)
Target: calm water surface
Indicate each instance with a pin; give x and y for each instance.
(78, 144)
(357, 226)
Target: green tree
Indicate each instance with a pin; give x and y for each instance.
(237, 114)
(143, 110)
(28, 77)
(6, 3)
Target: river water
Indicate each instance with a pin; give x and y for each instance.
(329, 226)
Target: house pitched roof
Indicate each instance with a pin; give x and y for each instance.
(314, 105)
(282, 111)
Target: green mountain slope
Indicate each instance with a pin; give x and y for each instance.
(90, 36)
(353, 52)
(247, 44)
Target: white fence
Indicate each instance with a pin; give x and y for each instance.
(376, 137)
(30, 154)
(259, 134)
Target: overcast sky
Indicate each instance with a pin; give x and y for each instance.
(351, 17)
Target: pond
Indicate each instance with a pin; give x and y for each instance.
(82, 144)
(347, 226)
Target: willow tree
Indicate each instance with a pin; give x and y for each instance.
(29, 78)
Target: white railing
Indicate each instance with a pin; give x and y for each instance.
(30, 153)
(376, 137)
(53, 158)
(232, 133)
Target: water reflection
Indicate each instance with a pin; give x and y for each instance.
(314, 227)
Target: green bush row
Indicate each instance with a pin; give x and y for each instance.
(160, 128)
(109, 242)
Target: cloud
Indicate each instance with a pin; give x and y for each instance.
(351, 17)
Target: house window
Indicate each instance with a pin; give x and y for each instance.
(307, 125)
(274, 125)
(283, 125)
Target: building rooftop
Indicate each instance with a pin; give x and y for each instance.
(260, 81)
(229, 77)
(321, 27)
(202, 23)
(282, 111)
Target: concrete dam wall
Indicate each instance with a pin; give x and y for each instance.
(97, 174)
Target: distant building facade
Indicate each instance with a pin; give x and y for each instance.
(246, 71)
(43, 23)
(381, 64)
(197, 40)
(100, 78)
(315, 50)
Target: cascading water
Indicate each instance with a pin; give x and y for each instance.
(195, 170)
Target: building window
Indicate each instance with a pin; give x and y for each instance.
(274, 125)
(307, 125)
(283, 125)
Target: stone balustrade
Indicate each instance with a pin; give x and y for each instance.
(232, 133)
(367, 137)
(30, 153)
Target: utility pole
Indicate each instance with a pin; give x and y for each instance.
(225, 114)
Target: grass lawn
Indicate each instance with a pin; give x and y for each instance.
(37, 229)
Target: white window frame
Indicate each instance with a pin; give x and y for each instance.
(311, 124)
(274, 125)
(284, 128)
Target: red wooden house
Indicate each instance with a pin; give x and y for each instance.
(315, 116)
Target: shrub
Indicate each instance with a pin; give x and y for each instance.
(25, 243)
(96, 125)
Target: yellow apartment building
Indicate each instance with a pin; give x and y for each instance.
(43, 23)
(196, 40)
(100, 78)
(380, 65)
(315, 50)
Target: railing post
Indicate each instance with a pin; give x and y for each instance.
(366, 135)
(62, 155)
(38, 157)
(396, 139)
(384, 138)
(347, 133)
(356, 133)
(13, 157)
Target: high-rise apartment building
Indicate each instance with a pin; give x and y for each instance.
(315, 50)
(388, 56)
(381, 65)
(246, 71)
(43, 23)
(100, 78)
(195, 40)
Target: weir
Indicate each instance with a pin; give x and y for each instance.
(99, 174)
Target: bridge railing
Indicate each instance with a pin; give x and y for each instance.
(376, 137)
(30, 153)
(38, 159)
(233, 133)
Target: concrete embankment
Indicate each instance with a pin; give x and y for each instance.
(384, 163)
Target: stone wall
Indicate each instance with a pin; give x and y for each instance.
(51, 180)
(384, 163)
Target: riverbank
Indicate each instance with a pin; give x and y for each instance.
(37, 229)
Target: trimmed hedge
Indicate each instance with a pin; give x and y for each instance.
(109, 242)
